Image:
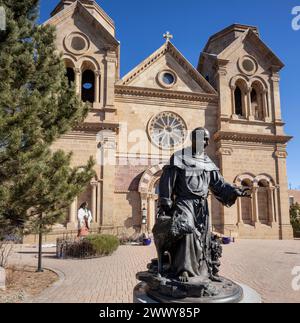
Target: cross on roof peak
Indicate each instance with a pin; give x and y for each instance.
(168, 36)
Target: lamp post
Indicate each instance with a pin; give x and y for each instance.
(144, 219)
(40, 250)
(144, 215)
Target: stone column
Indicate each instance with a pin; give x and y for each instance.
(73, 215)
(99, 203)
(224, 90)
(94, 201)
(107, 163)
(286, 231)
(271, 204)
(78, 81)
(97, 87)
(110, 60)
(240, 214)
(233, 88)
(275, 79)
(250, 114)
(228, 215)
(265, 105)
(255, 212)
(276, 204)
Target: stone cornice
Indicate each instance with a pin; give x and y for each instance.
(95, 127)
(251, 137)
(165, 94)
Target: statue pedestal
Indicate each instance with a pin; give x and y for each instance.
(140, 296)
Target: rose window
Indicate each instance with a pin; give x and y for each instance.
(167, 130)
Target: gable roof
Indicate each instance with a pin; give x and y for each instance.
(252, 37)
(168, 47)
(85, 13)
(235, 30)
(88, 3)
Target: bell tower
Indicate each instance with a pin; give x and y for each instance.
(251, 142)
(85, 35)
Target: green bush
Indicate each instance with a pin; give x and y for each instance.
(89, 247)
(294, 213)
(103, 245)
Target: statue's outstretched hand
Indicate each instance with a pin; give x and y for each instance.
(243, 192)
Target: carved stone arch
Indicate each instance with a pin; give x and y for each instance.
(90, 79)
(245, 176)
(259, 98)
(238, 77)
(148, 197)
(239, 86)
(266, 178)
(70, 60)
(245, 207)
(147, 178)
(259, 80)
(266, 199)
(70, 64)
(90, 62)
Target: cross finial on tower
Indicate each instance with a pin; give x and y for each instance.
(168, 36)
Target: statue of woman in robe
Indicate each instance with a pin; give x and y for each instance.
(184, 189)
(84, 220)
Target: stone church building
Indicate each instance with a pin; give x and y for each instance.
(137, 121)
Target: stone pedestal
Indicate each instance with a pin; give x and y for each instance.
(140, 295)
(2, 278)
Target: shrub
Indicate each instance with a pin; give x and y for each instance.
(294, 213)
(91, 246)
(103, 245)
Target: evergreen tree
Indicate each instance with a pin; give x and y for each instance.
(37, 106)
(295, 218)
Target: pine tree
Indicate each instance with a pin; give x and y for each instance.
(37, 106)
(295, 218)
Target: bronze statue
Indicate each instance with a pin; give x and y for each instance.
(188, 254)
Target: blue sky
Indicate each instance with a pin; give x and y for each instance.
(141, 24)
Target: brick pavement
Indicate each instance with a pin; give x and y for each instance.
(265, 266)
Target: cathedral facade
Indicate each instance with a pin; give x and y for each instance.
(137, 121)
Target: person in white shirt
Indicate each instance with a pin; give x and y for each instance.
(84, 220)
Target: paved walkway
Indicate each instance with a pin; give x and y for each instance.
(265, 266)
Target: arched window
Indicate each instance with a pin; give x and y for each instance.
(70, 75)
(263, 202)
(246, 205)
(238, 101)
(70, 70)
(257, 101)
(88, 86)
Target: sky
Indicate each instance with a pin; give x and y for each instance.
(141, 24)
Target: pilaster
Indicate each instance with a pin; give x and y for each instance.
(107, 162)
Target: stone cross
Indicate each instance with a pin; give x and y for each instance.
(168, 36)
(2, 278)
